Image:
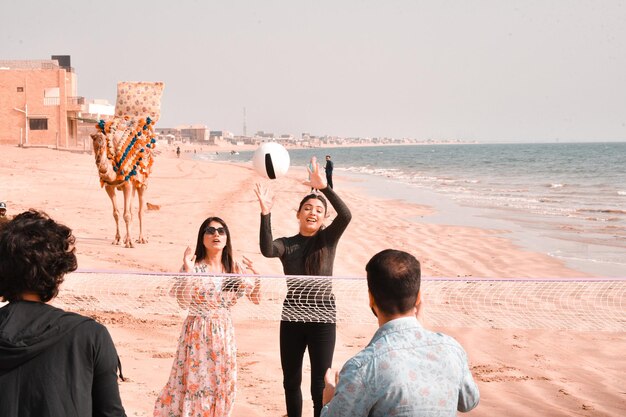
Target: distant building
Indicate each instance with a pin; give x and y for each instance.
(215, 135)
(98, 109)
(92, 112)
(223, 138)
(265, 135)
(195, 133)
(39, 104)
(169, 134)
(245, 140)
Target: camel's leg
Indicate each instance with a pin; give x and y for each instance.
(116, 214)
(127, 189)
(140, 191)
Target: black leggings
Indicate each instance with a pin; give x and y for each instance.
(295, 337)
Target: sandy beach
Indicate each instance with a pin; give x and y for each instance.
(519, 371)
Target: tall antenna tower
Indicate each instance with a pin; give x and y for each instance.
(244, 122)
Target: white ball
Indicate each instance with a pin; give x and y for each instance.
(271, 160)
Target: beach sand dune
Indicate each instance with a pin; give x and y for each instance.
(519, 372)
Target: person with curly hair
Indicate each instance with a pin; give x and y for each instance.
(52, 362)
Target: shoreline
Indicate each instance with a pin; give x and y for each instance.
(433, 212)
(447, 211)
(234, 147)
(587, 247)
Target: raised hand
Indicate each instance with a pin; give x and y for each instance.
(317, 180)
(249, 265)
(189, 260)
(265, 196)
(255, 294)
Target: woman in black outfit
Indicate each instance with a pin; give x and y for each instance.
(309, 311)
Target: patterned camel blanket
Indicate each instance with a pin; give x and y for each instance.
(129, 145)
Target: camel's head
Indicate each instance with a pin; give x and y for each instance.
(99, 141)
(105, 168)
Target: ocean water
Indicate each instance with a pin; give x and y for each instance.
(570, 197)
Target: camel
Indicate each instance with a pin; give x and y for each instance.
(122, 149)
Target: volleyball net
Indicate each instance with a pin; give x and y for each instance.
(568, 304)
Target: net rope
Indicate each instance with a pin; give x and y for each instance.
(558, 304)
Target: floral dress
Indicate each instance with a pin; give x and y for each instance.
(204, 373)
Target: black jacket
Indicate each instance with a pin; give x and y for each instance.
(329, 167)
(55, 364)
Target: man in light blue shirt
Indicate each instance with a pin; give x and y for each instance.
(405, 370)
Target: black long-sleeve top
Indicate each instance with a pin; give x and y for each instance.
(310, 299)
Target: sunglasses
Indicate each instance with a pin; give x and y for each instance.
(211, 231)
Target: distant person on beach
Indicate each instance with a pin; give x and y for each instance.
(204, 374)
(178, 151)
(3, 213)
(52, 362)
(329, 171)
(309, 310)
(405, 369)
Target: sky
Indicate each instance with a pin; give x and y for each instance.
(490, 71)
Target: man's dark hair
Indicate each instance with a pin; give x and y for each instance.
(35, 254)
(393, 278)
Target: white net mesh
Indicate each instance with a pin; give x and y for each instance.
(568, 304)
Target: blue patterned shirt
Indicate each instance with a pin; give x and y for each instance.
(405, 370)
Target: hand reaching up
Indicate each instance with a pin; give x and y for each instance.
(266, 198)
(249, 265)
(317, 180)
(189, 260)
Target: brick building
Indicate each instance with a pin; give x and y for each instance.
(39, 105)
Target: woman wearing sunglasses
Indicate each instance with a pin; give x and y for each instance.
(204, 373)
(309, 311)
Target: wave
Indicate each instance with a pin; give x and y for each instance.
(558, 254)
(206, 157)
(555, 201)
(600, 219)
(621, 193)
(605, 211)
(450, 181)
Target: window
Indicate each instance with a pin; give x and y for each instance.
(52, 92)
(51, 96)
(20, 89)
(38, 124)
